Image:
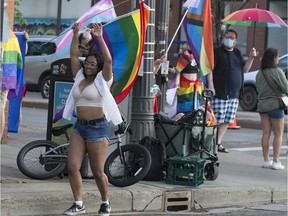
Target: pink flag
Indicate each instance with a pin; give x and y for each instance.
(191, 3)
(102, 11)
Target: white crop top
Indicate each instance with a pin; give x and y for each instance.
(90, 96)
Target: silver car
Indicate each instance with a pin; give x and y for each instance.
(40, 55)
(249, 100)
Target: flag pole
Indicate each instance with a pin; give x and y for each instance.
(176, 31)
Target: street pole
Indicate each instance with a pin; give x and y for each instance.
(142, 115)
(59, 10)
(2, 17)
(162, 10)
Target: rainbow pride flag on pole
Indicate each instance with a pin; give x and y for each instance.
(125, 37)
(102, 11)
(198, 29)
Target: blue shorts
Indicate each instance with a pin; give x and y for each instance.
(274, 114)
(225, 110)
(93, 133)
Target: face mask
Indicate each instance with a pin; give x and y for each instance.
(229, 43)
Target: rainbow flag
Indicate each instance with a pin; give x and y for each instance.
(125, 37)
(11, 66)
(198, 29)
(15, 102)
(181, 64)
(184, 59)
(102, 11)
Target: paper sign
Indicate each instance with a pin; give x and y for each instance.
(165, 67)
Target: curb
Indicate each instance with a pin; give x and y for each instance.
(33, 104)
(129, 200)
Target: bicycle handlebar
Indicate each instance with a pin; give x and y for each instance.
(123, 128)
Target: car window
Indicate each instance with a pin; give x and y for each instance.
(36, 48)
(283, 64)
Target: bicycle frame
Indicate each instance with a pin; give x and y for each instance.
(56, 153)
(117, 140)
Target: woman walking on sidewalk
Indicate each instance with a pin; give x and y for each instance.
(95, 106)
(271, 83)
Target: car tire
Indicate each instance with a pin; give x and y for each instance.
(45, 87)
(249, 100)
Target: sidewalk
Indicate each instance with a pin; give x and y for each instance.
(241, 181)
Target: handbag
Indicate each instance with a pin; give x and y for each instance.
(283, 100)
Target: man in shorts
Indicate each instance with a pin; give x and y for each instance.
(226, 81)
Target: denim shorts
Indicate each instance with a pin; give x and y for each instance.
(274, 114)
(93, 133)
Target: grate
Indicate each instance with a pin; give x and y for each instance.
(178, 201)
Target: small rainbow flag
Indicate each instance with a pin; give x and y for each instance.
(184, 59)
(181, 64)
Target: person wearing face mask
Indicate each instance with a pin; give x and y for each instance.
(226, 82)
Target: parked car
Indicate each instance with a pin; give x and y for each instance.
(40, 55)
(249, 100)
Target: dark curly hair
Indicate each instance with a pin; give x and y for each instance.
(268, 58)
(99, 60)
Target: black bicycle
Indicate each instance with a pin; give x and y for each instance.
(125, 166)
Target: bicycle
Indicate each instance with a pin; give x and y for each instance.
(125, 166)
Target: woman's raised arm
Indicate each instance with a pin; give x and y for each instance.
(74, 50)
(107, 67)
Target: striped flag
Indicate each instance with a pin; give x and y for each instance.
(125, 37)
(11, 65)
(102, 11)
(191, 3)
(181, 64)
(198, 29)
(184, 59)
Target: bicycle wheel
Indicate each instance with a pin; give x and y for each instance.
(136, 164)
(34, 161)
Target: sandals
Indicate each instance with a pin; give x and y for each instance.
(221, 148)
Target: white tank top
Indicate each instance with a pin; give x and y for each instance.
(90, 96)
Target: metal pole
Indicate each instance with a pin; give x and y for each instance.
(2, 17)
(59, 9)
(142, 115)
(162, 36)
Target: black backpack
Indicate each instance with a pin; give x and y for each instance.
(157, 150)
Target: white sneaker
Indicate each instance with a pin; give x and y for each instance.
(267, 164)
(277, 166)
